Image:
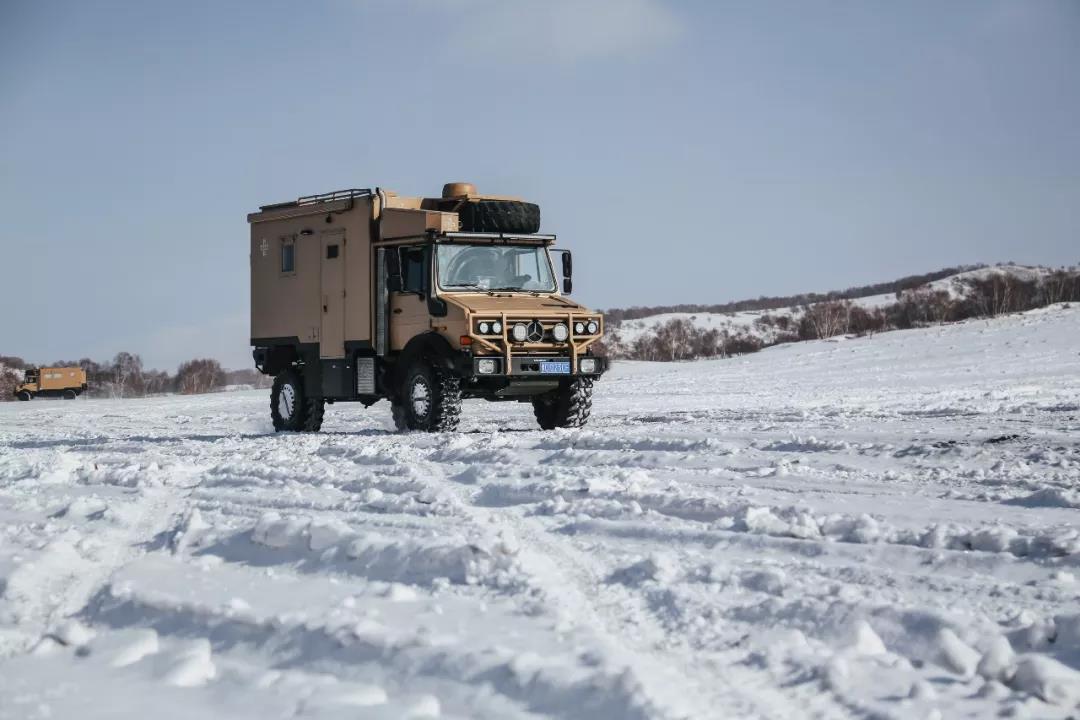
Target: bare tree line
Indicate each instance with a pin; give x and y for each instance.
(615, 316)
(124, 376)
(994, 294)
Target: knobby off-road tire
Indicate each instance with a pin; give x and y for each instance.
(506, 216)
(25, 396)
(401, 422)
(430, 400)
(314, 408)
(290, 409)
(568, 406)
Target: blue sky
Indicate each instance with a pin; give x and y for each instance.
(686, 151)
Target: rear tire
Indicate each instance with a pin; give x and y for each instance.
(290, 409)
(568, 406)
(401, 422)
(430, 400)
(70, 394)
(25, 396)
(314, 408)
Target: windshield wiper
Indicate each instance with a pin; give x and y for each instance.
(463, 285)
(511, 289)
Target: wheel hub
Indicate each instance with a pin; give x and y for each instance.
(287, 401)
(420, 396)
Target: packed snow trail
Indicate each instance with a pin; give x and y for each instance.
(882, 527)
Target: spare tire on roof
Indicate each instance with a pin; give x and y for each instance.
(501, 216)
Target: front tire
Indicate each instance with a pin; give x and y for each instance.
(430, 400)
(568, 406)
(25, 396)
(290, 408)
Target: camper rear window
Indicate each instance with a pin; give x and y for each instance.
(288, 257)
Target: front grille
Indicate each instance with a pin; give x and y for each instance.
(536, 331)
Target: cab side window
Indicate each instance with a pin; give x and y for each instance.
(412, 269)
(288, 255)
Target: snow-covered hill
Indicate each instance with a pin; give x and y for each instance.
(746, 322)
(881, 527)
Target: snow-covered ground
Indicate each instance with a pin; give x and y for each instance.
(880, 527)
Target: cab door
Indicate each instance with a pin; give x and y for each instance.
(409, 314)
(332, 295)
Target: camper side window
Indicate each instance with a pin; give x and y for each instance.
(288, 256)
(412, 269)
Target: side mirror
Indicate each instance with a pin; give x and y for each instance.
(567, 271)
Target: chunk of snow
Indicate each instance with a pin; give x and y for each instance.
(342, 695)
(1047, 679)
(862, 640)
(955, 654)
(124, 647)
(73, 633)
(187, 665)
(998, 662)
(922, 690)
(425, 706)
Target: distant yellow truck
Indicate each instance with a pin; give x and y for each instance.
(65, 382)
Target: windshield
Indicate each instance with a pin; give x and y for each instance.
(491, 267)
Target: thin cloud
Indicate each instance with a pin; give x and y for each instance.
(566, 31)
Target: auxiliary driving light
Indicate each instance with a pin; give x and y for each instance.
(587, 365)
(485, 328)
(496, 327)
(593, 327)
(579, 328)
(520, 332)
(486, 366)
(560, 333)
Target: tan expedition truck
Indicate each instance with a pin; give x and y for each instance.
(65, 382)
(360, 295)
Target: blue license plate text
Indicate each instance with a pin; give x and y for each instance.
(555, 368)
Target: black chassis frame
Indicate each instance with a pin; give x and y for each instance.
(335, 379)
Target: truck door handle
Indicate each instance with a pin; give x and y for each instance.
(397, 311)
(324, 309)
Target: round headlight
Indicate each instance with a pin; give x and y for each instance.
(560, 332)
(579, 328)
(496, 327)
(593, 327)
(485, 328)
(520, 332)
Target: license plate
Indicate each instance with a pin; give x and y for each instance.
(555, 368)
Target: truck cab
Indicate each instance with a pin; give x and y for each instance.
(366, 295)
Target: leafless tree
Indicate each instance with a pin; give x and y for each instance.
(127, 374)
(826, 319)
(156, 382)
(199, 376)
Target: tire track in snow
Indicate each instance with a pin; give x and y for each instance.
(59, 581)
(676, 684)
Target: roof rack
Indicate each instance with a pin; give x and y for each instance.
(493, 236)
(320, 198)
(332, 196)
